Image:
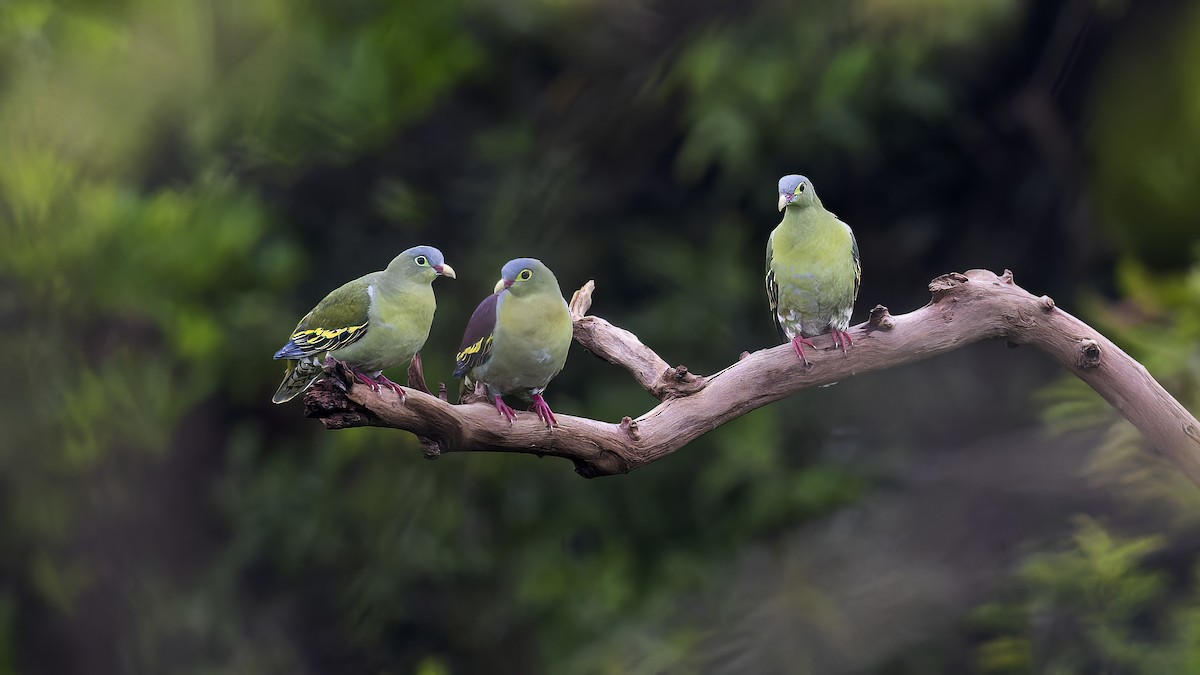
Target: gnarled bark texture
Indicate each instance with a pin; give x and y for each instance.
(965, 308)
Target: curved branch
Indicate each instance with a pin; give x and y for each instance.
(965, 308)
(619, 346)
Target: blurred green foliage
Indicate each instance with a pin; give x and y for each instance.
(1092, 608)
(1146, 129)
(848, 70)
(181, 180)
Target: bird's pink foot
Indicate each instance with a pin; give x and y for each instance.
(505, 411)
(841, 339)
(798, 344)
(362, 377)
(543, 411)
(384, 381)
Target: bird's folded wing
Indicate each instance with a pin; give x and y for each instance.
(336, 322)
(477, 341)
(772, 286)
(855, 258)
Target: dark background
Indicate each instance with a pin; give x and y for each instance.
(179, 181)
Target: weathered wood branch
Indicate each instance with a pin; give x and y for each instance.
(620, 347)
(965, 308)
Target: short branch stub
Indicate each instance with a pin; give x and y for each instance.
(1089, 353)
(881, 318)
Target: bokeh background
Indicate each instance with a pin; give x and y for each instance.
(181, 180)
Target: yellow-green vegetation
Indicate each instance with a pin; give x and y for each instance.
(1096, 607)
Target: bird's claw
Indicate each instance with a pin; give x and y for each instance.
(505, 411)
(544, 412)
(842, 339)
(798, 344)
(384, 381)
(362, 377)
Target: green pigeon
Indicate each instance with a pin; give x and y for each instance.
(813, 271)
(375, 322)
(518, 337)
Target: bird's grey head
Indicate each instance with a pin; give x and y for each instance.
(796, 190)
(422, 261)
(526, 275)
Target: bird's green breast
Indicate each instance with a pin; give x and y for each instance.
(813, 265)
(530, 344)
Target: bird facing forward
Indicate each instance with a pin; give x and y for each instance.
(813, 270)
(375, 322)
(517, 339)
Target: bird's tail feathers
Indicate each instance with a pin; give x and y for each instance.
(465, 387)
(298, 377)
(290, 351)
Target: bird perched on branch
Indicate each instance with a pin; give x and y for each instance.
(813, 271)
(518, 337)
(375, 322)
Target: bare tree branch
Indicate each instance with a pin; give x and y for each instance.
(965, 308)
(619, 346)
